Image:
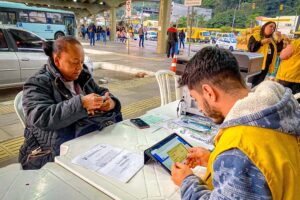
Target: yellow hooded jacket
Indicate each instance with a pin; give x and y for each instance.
(289, 70)
(264, 50)
(274, 153)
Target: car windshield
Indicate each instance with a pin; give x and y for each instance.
(233, 40)
(206, 34)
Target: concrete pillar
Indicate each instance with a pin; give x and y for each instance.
(95, 19)
(113, 22)
(163, 24)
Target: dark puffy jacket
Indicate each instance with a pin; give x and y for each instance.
(54, 116)
(172, 35)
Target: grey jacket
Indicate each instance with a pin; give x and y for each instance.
(54, 116)
(235, 176)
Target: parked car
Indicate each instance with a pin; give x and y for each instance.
(151, 35)
(21, 55)
(226, 43)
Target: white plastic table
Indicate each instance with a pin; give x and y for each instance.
(50, 182)
(151, 182)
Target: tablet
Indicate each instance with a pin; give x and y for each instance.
(168, 151)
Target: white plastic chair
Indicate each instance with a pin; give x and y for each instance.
(297, 96)
(164, 78)
(19, 108)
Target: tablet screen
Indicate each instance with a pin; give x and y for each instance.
(170, 150)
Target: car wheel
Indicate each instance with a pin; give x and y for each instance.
(58, 35)
(231, 48)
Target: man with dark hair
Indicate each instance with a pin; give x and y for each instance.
(172, 39)
(257, 149)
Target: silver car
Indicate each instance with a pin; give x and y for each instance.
(21, 55)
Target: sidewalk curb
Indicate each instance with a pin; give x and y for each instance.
(120, 68)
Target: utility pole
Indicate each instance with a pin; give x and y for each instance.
(239, 4)
(191, 21)
(142, 17)
(233, 19)
(188, 18)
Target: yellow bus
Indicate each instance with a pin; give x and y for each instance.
(197, 34)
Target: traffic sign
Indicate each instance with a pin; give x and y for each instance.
(192, 2)
(128, 8)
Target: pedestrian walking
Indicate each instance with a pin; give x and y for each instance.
(92, 32)
(172, 40)
(181, 38)
(141, 36)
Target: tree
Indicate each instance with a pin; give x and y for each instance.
(226, 28)
(223, 11)
(181, 22)
(200, 21)
(226, 19)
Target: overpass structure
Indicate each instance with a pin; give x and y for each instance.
(83, 8)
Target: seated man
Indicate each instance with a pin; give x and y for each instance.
(257, 152)
(62, 102)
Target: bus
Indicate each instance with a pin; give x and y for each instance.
(47, 23)
(197, 34)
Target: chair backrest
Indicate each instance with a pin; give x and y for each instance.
(297, 96)
(164, 78)
(19, 108)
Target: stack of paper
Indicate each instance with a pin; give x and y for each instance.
(111, 161)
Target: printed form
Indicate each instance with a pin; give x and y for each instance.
(111, 161)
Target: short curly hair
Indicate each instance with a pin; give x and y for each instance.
(213, 65)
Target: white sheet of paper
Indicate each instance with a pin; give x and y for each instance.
(155, 121)
(111, 161)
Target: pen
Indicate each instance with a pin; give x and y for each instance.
(196, 124)
(198, 138)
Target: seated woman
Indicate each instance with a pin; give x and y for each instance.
(62, 102)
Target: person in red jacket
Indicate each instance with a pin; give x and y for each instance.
(172, 39)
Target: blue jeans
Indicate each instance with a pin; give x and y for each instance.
(141, 42)
(98, 36)
(103, 36)
(92, 39)
(181, 42)
(83, 35)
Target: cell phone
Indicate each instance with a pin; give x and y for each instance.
(139, 123)
(103, 98)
